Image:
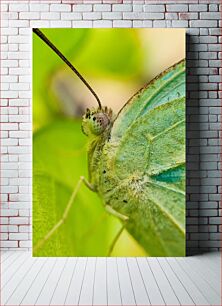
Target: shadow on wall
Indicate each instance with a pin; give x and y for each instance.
(193, 191)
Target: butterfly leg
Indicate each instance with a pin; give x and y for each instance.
(124, 218)
(116, 239)
(88, 184)
(66, 211)
(115, 213)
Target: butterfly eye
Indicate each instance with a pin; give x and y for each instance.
(95, 123)
(99, 123)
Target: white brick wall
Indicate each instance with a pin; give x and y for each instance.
(201, 18)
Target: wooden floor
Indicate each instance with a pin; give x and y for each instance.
(27, 280)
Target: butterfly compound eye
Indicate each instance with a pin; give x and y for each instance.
(95, 123)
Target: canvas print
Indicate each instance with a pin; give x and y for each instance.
(109, 142)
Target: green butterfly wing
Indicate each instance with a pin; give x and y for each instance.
(148, 142)
(167, 86)
(156, 138)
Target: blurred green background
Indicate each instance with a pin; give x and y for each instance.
(117, 63)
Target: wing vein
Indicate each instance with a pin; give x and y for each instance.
(172, 127)
(161, 88)
(166, 187)
(169, 216)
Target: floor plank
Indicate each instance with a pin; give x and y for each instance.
(37, 285)
(48, 289)
(191, 287)
(20, 291)
(86, 294)
(126, 289)
(113, 285)
(5, 255)
(179, 289)
(10, 261)
(74, 290)
(13, 270)
(17, 278)
(207, 291)
(214, 280)
(139, 288)
(152, 287)
(110, 281)
(166, 289)
(100, 283)
(62, 287)
(212, 261)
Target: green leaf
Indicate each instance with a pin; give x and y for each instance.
(105, 53)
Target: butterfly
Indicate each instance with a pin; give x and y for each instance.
(136, 161)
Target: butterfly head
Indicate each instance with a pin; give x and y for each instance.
(96, 121)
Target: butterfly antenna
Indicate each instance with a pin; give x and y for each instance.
(53, 47)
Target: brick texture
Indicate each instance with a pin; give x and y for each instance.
(204, 92)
